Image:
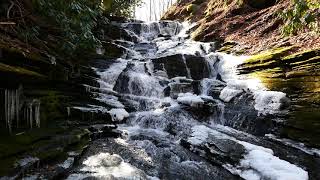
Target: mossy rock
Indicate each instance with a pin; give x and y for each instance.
(7, 166)
(51, 154)
(53, 106)
(17, 144)
(192, 8)
(227, 47)
(302, 56)
(304, 126)
(13, 52)
(265, 60)
(19, 70)
(49, 145)
(268, 55)
(313, 60)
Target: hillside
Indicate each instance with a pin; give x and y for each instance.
(255, 25)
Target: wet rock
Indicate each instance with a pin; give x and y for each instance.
(90, 115)
(107, 32)
(174, 65)
(112, 50)
(190, 66)
(176, 88)
(104, 131)
(198, 66)
(215, 146)
(209, 109)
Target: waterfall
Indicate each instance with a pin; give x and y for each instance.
(152, 10)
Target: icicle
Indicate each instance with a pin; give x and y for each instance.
(187, 68)
(68, 111)
(30, 115)
(6, 104)
(17, 106)
(37, 112)
(12, 108)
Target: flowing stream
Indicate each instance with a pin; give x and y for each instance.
(185, 113)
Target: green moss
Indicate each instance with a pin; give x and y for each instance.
(7, 165)
(33, 55)
(269, 55)
(309, 61)
(301, 56)
(18, 144)
(51, 154)
(268, 73)
(259, 66)
(306, 127)
(53, 106)
(226, 49)
(192, 8)
(19, 70)
(48, 145)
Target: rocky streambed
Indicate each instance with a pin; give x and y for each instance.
(186, 112)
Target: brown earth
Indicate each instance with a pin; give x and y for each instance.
(254, 28)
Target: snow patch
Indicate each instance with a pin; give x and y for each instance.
(258, 162)
(67, 163)
(190, 99)
(227, 94)
(105, 165)
(118, 114)
(268, 102)
(26, 161)
(263, 163)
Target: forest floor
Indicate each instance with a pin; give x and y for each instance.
(255, 29)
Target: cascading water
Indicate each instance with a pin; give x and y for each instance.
(188, 109)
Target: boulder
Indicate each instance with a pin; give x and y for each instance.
(190, 66)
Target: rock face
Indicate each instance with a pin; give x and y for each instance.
(189, 66)
(298, 76)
